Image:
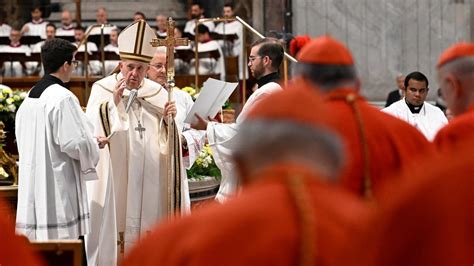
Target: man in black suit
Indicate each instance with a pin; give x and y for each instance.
(397, 94)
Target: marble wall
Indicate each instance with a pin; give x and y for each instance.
(388, 37)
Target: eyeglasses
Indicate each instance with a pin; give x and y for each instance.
(158, 66)
(75, 63)
(252, 58)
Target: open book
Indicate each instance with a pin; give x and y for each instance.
(210, 100)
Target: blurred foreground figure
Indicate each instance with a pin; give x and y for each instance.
(288, 213)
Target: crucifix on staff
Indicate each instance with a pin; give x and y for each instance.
(173, 157)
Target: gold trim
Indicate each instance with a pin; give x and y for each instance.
(135, 57)
(141, 35)
(104, 117)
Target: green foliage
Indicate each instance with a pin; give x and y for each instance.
(204, 166)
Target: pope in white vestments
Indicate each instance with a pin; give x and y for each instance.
(131, 193)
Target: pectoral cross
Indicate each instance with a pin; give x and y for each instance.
(121, 242)
(140, 129)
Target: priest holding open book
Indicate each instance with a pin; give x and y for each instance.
(265, 58)
(131, 194)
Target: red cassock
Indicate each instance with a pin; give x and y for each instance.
(286, 213)
(455, 134)
(14, 250)
(378, 144)
(428, 217)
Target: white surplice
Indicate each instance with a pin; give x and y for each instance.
(14, 69)
(221, 140)
(191, 24)
(209, 66)
(94, 65)
(236, 47)
(111, 64)
(130, 195)
(36, 28)
(428, 121)
(5, 30)
(58, 153)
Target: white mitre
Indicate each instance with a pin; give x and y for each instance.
(134, 42)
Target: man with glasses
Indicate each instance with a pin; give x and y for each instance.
(58, 153)
(413, 109)
(265, 58)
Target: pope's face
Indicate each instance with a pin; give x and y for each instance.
(137, 72)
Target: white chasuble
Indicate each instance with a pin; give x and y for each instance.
(131, 193)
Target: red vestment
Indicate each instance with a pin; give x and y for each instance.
(262, 226)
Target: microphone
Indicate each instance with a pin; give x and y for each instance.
(133, 94)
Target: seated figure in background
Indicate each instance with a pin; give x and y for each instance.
(208, 66)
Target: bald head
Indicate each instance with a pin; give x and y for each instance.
(455, 80)
(315, 147)
(161, 23)
(66, 18)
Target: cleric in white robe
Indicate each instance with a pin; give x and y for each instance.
(14, 68)
(413, 108)
(57, 153)
(132, 194)
(231, 48)
(208, 66)
(265, 59)
(37, 26)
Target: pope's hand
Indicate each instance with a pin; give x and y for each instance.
(170, 109)
(102, 141)
(118, 90)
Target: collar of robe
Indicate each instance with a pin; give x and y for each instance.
(37, 21)
(69, 27)
(43, 84)
(15, 45)
(414, 109)
(272, 77)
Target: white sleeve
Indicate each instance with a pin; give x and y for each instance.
(73, 133)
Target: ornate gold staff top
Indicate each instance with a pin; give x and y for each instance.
(174, 168)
